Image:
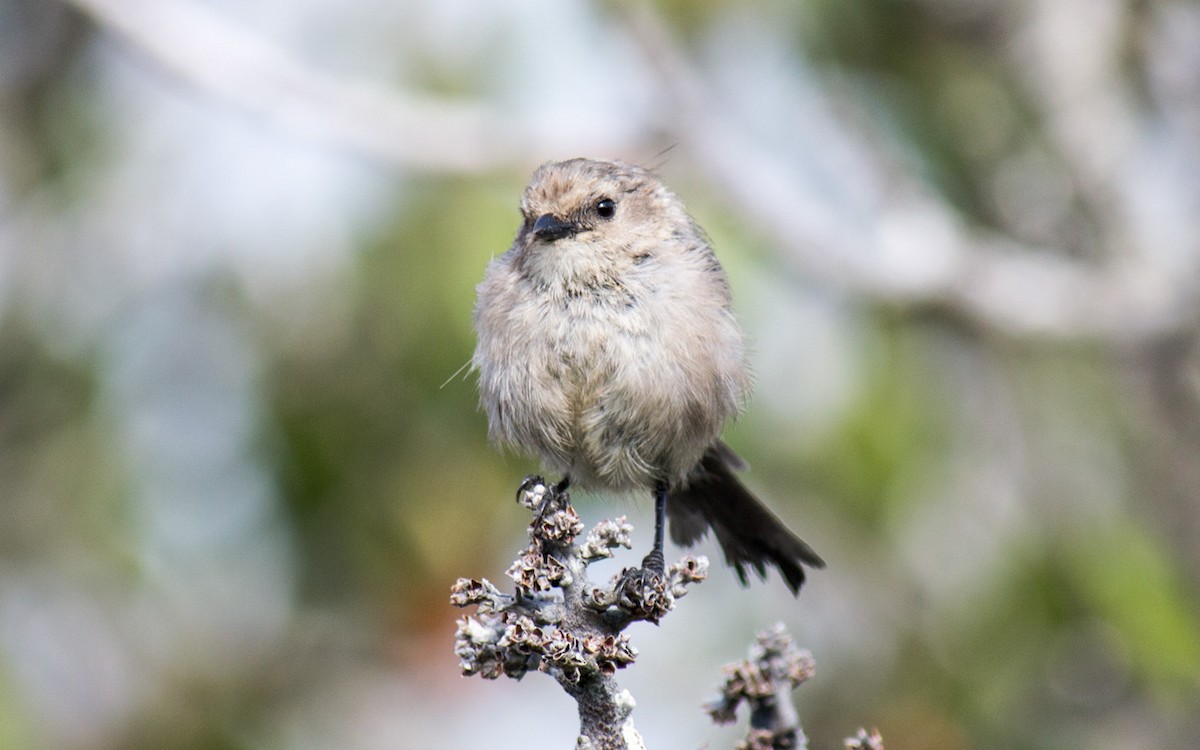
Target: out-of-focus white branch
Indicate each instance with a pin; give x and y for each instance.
(413, 130)
(1073, 72)
(914, 249)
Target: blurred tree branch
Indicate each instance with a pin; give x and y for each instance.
(407, 128)
(913, 248)
(916, 250)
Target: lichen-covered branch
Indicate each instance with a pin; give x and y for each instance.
(558, 622)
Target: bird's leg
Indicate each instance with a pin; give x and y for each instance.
(655, 562)
(643, 590)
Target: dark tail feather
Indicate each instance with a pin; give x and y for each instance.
(748, 532)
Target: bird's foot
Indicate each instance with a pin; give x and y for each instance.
(541, 497)
(533, 492)
(642, 592)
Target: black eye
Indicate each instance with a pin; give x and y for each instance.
(606, 208)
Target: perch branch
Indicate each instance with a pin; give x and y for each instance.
(559, 623)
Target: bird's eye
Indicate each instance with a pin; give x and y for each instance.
(606, 208)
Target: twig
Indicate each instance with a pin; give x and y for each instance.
(764, 682)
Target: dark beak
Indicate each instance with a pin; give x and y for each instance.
(550, 228)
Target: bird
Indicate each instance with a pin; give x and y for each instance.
(607, 347)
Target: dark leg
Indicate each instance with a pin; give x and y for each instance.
(654, 562)
(562, 486)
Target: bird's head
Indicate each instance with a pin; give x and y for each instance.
(586, 220)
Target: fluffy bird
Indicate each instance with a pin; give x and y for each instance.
(607, 347)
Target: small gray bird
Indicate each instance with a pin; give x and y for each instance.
(607, 347)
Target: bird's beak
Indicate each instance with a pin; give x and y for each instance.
(549, 228)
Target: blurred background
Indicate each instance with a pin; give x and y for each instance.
(241, 462)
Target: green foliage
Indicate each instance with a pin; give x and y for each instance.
(1124, 576)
